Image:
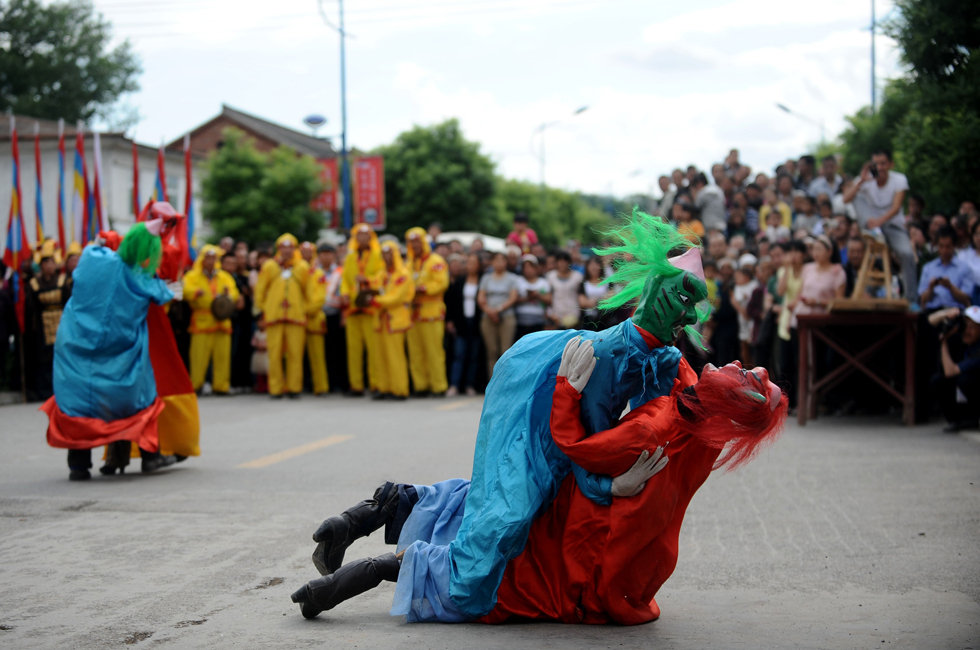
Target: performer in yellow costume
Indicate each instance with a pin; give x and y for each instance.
(426, 356)
(210, 337)
(362, 269)
(280, 298)
(394, 318)
(316, 321)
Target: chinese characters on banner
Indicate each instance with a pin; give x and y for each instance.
(369, 191)
(368, 181)
(326, 203)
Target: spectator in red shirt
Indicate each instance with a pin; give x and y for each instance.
(522, 235)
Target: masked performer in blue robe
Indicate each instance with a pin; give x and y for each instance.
(517, 467)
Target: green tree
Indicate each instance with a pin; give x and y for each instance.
(434, 174)
(556, 217)
(255, 197)
(55, 61)
(930, 117)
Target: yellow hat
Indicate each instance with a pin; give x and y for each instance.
(47, 248)
(287, 238)
(74, 248)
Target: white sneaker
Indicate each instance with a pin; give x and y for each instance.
(471, 391)
(452, 391)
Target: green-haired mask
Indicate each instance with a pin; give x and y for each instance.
(668, 304)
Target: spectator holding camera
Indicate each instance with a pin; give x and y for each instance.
(878, 194)
(958, 384)
(946, 281)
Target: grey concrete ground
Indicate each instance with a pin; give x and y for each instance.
(846, 534)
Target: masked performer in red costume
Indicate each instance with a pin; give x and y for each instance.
(518, 467)
(585, 562)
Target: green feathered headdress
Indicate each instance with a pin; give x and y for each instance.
(141, 249)
(640, 247)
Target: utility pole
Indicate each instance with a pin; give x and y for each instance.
(344, 163)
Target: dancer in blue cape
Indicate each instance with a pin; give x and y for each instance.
(104, 387)
(517, 467)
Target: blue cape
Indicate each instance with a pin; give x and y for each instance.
(517, 468)
(101, 354)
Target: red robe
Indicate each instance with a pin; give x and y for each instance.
(586, 563)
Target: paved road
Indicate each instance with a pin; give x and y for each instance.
(847, 533)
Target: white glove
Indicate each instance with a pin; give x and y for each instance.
(577, 363)
(635, 479)
(176, 288)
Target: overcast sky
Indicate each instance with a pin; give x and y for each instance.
(666, 84)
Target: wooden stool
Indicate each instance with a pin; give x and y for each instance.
(868, 275)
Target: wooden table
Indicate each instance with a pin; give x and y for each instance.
(827, 328)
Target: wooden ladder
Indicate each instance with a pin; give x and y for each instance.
(868, 275)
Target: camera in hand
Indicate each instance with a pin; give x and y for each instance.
(948, 325)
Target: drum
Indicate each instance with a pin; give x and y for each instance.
(223, 307)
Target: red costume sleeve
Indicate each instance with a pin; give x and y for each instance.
(613, 451)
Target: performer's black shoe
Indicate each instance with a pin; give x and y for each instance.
(421, 393)
(153, 462)
(350, 580)
(354, 393)
(293, 395)
(271, 396)
(398, 398)
(79, 475)
(337, 533)
(109, 469)
(381, 396)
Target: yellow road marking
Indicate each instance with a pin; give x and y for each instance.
(286, 454)
(455, 405)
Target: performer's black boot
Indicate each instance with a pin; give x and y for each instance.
(337, 533)
(349, 580)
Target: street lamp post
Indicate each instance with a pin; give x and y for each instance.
(818, 123)
(344, 165)
(539, 131)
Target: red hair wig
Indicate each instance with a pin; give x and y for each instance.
(734, 410)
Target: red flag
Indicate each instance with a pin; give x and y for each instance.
(136, 183)
(161, 185)
(369, 191)
(38, 203)
(97, 215)
(62, 242)
(18, 249)
(327, 201)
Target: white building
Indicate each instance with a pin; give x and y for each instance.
(116, 181)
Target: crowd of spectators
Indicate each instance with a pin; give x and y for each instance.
(774, 247)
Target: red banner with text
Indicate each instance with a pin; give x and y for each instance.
(369, 191)
(327, 201)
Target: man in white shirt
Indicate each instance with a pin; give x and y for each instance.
(878, 196)
(710, 200)
(828, 182)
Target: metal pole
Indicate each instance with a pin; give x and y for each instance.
(345, 166)
(874, 101)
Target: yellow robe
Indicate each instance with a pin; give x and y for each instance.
(316, 328)
(427, 357)
(360, 322)
(394, 318)
(210, 338)
(280, 296)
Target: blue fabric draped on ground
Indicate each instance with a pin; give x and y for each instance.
(101, 360)
(517, 468)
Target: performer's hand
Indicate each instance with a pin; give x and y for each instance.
(635, 479)
(177, 289)
(577, 362)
